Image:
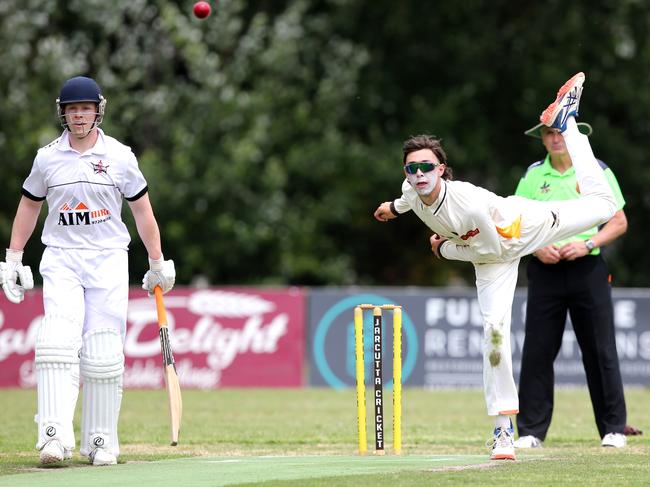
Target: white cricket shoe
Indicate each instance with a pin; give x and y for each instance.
(502, 444)
(616, 440)
(53, 452)
(566, 104)
(100, 456)
(528, 441)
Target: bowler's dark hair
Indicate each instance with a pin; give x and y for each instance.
(431, 142)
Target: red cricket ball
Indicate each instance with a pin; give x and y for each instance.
(201, 10)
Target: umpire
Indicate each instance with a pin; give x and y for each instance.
(569, 276)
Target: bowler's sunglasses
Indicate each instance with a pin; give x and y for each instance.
(424, 166)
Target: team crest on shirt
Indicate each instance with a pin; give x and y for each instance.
(470, 234)
(99, 167)
(76, 212)
(545, 188)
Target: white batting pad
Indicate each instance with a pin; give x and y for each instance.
(58, 342)
(102, 366)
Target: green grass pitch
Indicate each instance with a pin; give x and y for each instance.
(307, 437)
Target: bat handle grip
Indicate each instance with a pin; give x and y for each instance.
(160, 307)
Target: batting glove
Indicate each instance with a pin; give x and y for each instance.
(12, 271)
(161, 273)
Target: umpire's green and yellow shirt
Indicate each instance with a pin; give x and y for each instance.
(544, 183)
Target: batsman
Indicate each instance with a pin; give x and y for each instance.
(84, 175)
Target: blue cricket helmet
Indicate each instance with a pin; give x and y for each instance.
(81, 89)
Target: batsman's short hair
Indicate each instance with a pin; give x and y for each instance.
(434, 144)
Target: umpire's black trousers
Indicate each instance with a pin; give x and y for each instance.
(582, 289)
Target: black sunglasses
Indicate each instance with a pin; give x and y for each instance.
(424, 166)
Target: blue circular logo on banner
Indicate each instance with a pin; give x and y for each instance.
(344, 306)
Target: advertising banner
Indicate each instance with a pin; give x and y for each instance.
(221, 337)
(443, 337)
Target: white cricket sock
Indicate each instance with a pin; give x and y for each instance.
(502, 421)
(571, 126)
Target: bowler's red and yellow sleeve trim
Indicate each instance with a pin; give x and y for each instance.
(511, 231)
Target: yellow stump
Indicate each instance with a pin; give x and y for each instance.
(397, 380)
(361, 380)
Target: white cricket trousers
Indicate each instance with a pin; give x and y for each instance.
(542, 224)
(85, 296)
(92, 285)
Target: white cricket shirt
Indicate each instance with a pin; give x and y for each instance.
(84, 192)
(481, 226)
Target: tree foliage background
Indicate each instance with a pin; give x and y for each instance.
(270, 131)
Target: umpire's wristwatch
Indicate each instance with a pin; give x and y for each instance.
(590, 245)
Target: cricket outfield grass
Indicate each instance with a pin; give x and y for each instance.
(308, 437)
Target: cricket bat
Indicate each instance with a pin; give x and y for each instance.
(171, 377)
